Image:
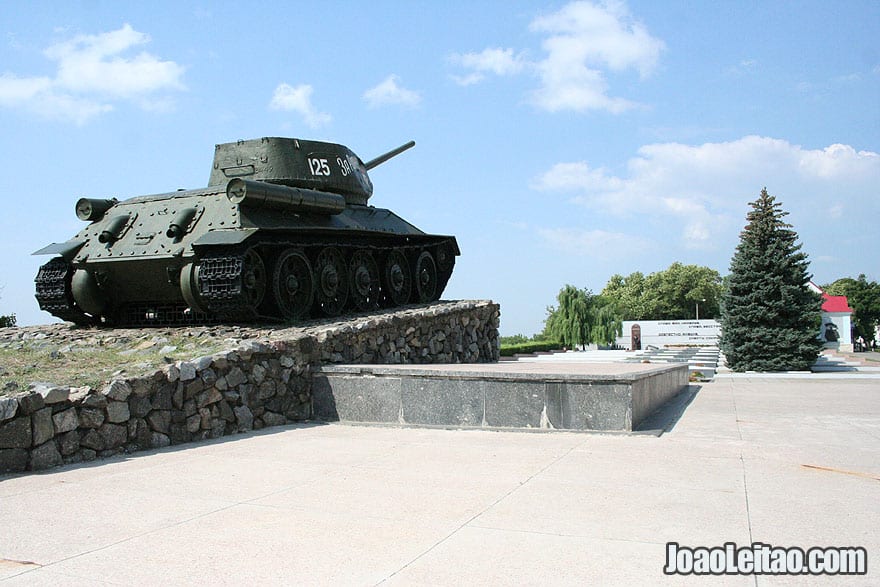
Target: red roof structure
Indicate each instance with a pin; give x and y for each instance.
(831, 303)
(835, 304)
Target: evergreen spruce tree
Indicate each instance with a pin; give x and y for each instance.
(770, 319)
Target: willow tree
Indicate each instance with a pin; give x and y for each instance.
(581, 318)
(770, 318)
(568, 321)
(605, 322)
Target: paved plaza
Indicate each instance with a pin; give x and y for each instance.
(781, 461)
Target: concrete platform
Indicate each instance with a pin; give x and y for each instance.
(702, 362)
(562, 396)
(780, 461)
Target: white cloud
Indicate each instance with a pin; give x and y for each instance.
(499, 61)
(848, 78)
(838, 161)
(703, 189)
(602, 35)
(92, 64)
(389, 92)
(16, 90)
(743, 68)
(299, 100)
(93, 73)
(469, 79)
(593, 243)
(583, 42)
(62, 106)
(574, 176)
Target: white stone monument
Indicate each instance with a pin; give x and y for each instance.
(836, 329)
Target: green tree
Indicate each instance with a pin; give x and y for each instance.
(634, 298)
(672, 294)
(606, 324)
(514, 339)
(771, 318)
(581, 318)
(6, 321)
(864, 298)
(567, 322)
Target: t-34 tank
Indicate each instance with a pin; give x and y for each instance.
(282, 232)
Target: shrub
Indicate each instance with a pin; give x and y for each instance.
(529, 347)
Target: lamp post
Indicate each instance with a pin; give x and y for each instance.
(698, 306)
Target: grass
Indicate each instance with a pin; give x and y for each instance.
(24, 363)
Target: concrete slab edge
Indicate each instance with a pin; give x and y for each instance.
(651, 432)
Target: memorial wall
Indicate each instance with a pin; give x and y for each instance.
(639, 334)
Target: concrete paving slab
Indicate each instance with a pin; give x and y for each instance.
(619, 463)
(787, 462)
(404, 498)
(633, 512)
(260, 545)
(68, 520)
(814, 504)
(490, 556)
(48, 578)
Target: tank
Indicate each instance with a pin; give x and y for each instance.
(283, 232)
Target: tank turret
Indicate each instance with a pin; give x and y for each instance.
(282, 232)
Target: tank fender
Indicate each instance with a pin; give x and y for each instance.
(234, 236)
(67, 250)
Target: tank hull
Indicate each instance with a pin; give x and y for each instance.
(242, 251)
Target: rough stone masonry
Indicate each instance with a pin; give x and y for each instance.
(263, 381)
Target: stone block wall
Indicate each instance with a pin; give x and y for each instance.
(264, 382)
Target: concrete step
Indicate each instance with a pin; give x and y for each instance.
(844, 369)
(702, 361)
(579, 357)
(826, 363)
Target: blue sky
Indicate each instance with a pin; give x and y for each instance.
(560, 142)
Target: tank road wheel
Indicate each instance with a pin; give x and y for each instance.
(331, 288)
(445, 257)
(397, 278)
(363, 275)
(253, 279)
(426, 277)
(189, 281)
(293, 284)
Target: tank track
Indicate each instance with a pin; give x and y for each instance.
(54, 295)
(220, 282)
(220, 275)
(134, 315)
(220, 286)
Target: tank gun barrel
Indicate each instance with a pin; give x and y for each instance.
(392, 153)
